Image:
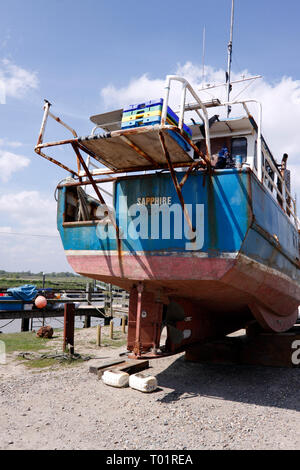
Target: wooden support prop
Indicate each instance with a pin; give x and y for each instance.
(262, 348)
(129, 366)
(111, 329)
(87, 320)
(105, 365)
(110, 299)
(98, 339)
(25, 324)
(69, 316)
(123, 324)
(137, 349)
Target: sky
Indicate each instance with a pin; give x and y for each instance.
(93, 56)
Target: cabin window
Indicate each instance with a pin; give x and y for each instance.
(239, 147)
(79, 206)
(270, 172)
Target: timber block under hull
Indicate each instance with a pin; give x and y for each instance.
(263, 348)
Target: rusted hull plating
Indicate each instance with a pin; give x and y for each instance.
(220, 296)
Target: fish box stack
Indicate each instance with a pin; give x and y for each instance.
(149, 113)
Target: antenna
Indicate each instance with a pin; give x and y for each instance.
(229, 59)
(210, 87)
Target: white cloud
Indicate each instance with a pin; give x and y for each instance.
(138, 90)
(5, 229)
(30, 239)
(33, 212)
(15, 81)
(7, 143)
(280, 100)
(10, 163)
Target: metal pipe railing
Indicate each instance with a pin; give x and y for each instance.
(185, 86)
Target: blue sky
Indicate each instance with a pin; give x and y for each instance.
(83, 56)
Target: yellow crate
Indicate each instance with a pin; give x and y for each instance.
(141, 115)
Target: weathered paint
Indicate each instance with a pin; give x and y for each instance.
(249, 253)
(224, 197)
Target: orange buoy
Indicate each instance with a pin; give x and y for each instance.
(40, 301)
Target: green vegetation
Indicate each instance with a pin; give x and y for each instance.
(42, 362)
(52, 280)
(39, 353)
(61, 281)
(24, 342)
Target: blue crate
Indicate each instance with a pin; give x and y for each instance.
(147, 109)
(146, 104)
(151, 120)
(133, 109)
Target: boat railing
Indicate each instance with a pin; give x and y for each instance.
(279, 190)
(200, 105)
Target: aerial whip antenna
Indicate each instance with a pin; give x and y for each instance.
(229, 60)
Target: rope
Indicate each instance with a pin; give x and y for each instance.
(3, 326)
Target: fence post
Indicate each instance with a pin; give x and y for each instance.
(69, 316)
(111, 300)
(98, 340)
(111, 333)
(123, 323)
(87, 320)
(25, 324)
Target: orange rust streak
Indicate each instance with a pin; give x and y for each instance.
(175, 181)
(188, 172)
(39, 152)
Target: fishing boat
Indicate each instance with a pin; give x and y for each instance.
(201, 228)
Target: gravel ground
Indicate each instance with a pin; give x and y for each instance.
(196, 407)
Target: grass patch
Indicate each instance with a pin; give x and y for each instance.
(27, 341)
(50, 363)
(40, 363)
(51, 282)
(55, 360)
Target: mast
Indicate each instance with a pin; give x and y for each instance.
(229, 59)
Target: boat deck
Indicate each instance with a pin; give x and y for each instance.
(138, 147)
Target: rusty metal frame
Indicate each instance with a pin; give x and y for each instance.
(77, 146)
(96, 189)
(175, 181)
(41, 145)
(124, 135)
(80, 161)
(193, 167)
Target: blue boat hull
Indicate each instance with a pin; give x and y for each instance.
(245, 263)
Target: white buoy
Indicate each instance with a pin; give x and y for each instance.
(143, 382)
(115, 378)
